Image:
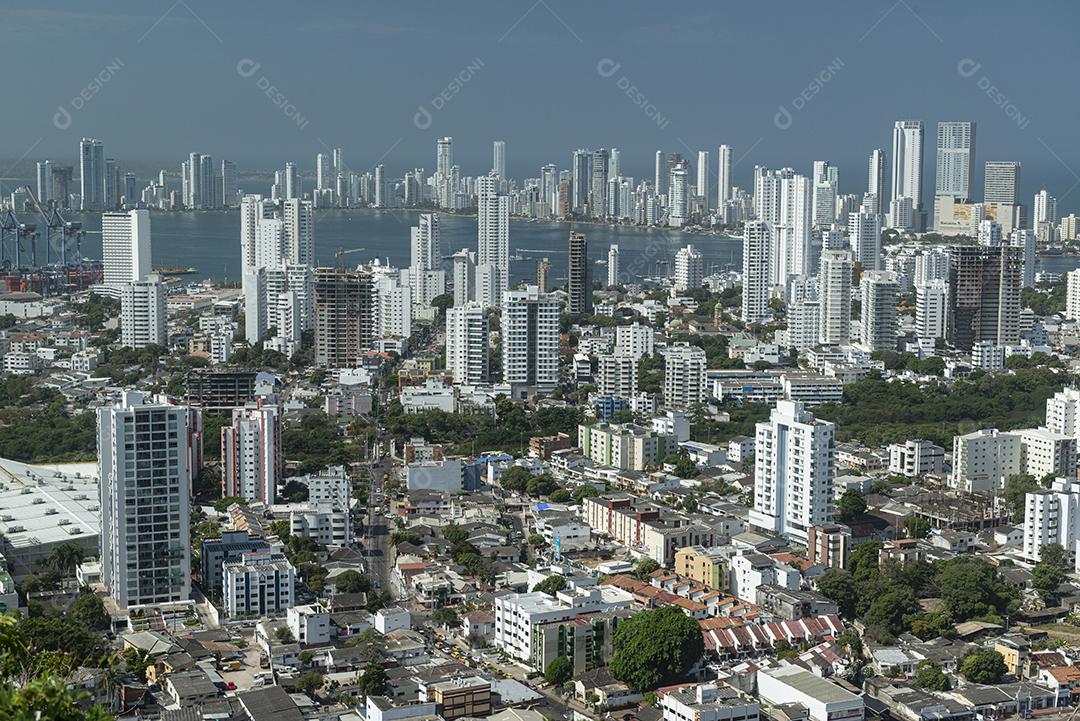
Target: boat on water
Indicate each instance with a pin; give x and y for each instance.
(176, 271)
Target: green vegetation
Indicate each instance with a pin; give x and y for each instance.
(550, 585)
(316, 443)
(985, 666)
(886, 597)
(875, 412)
(446, 617)
(1045, 300)
(851, 505)
(559, 671)
(656, 648)
(1050, 571)
(47, 435)
(372, 682)
(467, 434)
(352, 582)
(929, 676)
(645, 567)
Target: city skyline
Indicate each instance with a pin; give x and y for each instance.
(787, 114)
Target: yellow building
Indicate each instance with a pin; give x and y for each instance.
(1014, 649)
(703, 566)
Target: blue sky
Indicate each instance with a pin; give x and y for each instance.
(545, 76)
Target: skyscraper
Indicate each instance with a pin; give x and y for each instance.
(878, 291)
(493, 240)
(91, 174)
(660, 174)
(907, 157)
(1001, 183)
(142, 313)
(931, 299)
(984, 295)
(701, 187)
(543, 274)
(689, 268)
(679, 197)
(251, 462)
(875, 185)
(598, 204)
(125, 247)
(723, 181)
(298, 218)
(467, 342)
(530, 341)
(955, 159)
(145, 480)
(757, 245)
(292, 181)
(794, 460)
(444, 161)
(684, 375)
(322, 171)
(578, 276)
(834, 297)
(380, 186)
(44, 182)
(498, 159)
(613, 265)
(864, 235)
(826, 179)
(1044, 209)
(463, 276)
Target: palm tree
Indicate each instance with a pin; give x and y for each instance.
(66, 557)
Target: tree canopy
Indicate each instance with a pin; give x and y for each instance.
(656, 648)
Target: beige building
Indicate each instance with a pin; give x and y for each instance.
(699, 564)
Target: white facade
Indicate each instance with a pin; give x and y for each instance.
(1052, 516)
(634, 340)
(834, 296)
(125, 247)
(756, 278)
(984, 460)
(467, 344)
(144, 487)
(907, 157)
(613, 265)
(251, 461)
(616, 375)
(689, 268)
(142, 313)
(493, 237)
(684, 375)
(1046, 453)
(530, 339)
(931, 300)
(916, 458)
(955, 159)
(864, 236)
(794, 462)
(823, 699)
(517, 614)
(1026, 240)
(259, 584)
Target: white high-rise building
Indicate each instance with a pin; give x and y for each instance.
(44, 183)
(142, 313)
(463, 276)
(834, 296)
(723, 181)
(864, 235)
(879, 292)
(498, 158)
(444, 162)
(530, 340)
(782, 198)
(684, 375)
(1072, 295)
(876, 183)
(804, 322)
(467, 343)
(931, 264)
(125, 246)
(689, 268)
(931, 305)
(380, 186)
(251, 460)
(955, 159)
(322, 172)
(1026, 239)
(701, 189)
(393, 306)
(989, 233)
(1052, 516)
(425, 246)
(493, 237)
(299, 224)
(616, 375)
(1001, 182)
(757, 246)
(292, 181)
(1044, 209)
(635, 340)
(613, 265)
(907, 157)
(253, 210)
(794, 462)
(144, 485)
(660, 173)
(678, 197)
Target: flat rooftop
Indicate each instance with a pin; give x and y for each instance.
(52, 503)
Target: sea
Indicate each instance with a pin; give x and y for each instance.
(209, 241)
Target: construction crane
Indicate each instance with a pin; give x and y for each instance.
(341, 253)
(56, 226)
(11, 227)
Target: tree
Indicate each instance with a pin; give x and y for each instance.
(985, 666)
(47, 697)
(405, 536)
(352, 582)
(281, 529)
(66, 557)
(536, 540)
(851, 505)
(284, 635)
(1016, 490)
(929, 676)
(88, 611)
(917, 527)
(550, 585)
(582, 492)
(222, 504)
(928, 626)
(1046, 577)
(444, 616)
(559, 671)
(973, 588)
(838, 586)
(1054, 554)
(889, 610)
(656, 648)
(372, 682)
(309, 682)
(515, 479)
(645, 567)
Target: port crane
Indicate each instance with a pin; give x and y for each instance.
(56, 228)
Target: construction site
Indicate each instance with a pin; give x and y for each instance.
(41, 252)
